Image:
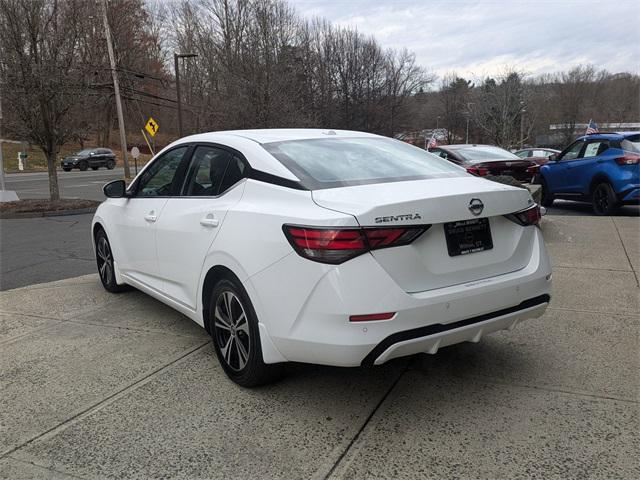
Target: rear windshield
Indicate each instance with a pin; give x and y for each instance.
(485, 154)
(339, 162)
(631, 144)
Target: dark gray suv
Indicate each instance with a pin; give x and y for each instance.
(90, 157)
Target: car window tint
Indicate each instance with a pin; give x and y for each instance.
(523, 154)
(333, 162)
(573, 151)
(208, 165)
(158, 178)
(235, 173)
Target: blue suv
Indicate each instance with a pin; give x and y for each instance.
(603, 169)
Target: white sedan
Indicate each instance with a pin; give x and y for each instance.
(321, 246)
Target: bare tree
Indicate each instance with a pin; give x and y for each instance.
(498, 108)
(455, 94)
(42, 73)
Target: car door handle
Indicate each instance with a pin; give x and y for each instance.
(209, 221)
(151, 216)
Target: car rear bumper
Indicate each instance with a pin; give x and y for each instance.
(304, 308)
(431, 338)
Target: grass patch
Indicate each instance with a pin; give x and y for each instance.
(41, 206)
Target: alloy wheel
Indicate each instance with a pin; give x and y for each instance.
(231, 327)
(105, 260)
(601, 199)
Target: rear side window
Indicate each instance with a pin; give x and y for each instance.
(212, 172)
(593, 149)
(208, 165)
(334, 162)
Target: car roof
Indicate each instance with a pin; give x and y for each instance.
(269, 135)
(466, 145)
(249, 142)
(608, 135)
(538, 148)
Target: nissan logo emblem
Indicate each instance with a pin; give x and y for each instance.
(476, 206)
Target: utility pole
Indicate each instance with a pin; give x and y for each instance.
(116, 89)
(176, 57)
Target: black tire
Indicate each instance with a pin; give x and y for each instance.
(546, 197)
(94, 168)
(604, 200)
(236, 337)
(83, 165)
(66, 169)
(104, 261)
(111, 164)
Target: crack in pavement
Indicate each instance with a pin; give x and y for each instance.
(368, 419)
(49, 469)
(103, 402)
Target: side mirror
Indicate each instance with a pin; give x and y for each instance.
(553, 157)
(115, 189)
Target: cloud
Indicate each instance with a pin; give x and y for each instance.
(479, 38)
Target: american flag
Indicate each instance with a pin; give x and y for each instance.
(592, 127)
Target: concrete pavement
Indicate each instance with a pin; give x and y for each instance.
(96, 385)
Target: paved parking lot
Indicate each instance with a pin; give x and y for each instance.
(94, 385)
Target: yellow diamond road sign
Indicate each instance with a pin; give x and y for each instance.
(152, 127)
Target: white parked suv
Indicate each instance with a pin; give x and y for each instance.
(330, 247)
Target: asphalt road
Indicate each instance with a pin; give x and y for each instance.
(73, 184)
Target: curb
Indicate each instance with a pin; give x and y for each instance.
(52, 213)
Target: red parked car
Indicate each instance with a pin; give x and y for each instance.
(486, 160)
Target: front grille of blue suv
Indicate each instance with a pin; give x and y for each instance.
(603, 169)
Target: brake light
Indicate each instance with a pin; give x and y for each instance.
(530, 216)
(478, 171)
(337, 245)
(628, 159)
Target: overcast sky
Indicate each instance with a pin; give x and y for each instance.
(478, 38)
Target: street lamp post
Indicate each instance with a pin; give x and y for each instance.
(522, 112)
(176, 56)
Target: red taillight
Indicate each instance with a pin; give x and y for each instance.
(337, 245)
(530, 216)
(628, 159)
(372, 317)
(478, 171)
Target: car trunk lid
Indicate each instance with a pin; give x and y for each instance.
(426, 263)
